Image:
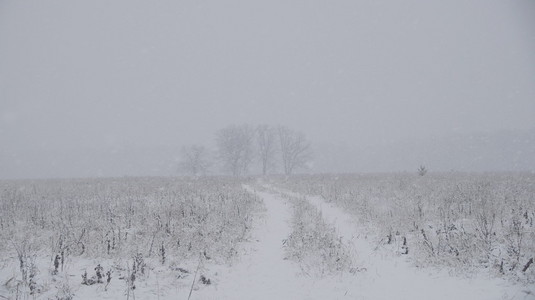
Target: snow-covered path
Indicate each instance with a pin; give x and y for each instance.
(391, 277)
(263, 273)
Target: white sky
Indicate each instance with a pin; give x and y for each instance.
(98, 74)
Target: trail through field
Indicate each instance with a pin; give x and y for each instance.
(264, 273)
(390, 276)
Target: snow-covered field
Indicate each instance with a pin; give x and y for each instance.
(311, 237)
(465, 223)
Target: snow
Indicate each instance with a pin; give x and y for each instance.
(262, 272)
(389, 276)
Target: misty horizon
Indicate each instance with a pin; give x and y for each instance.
(98, 89)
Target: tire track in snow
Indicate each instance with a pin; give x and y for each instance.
(391, 277)
(263, 273)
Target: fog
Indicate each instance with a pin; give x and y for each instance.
(114, 88)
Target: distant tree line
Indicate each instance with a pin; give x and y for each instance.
(238, 147)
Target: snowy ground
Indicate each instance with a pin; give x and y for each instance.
(392, 277)
(262, 272)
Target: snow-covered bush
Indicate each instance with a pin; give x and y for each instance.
(165, 219)
(465, 221)
(315, 244)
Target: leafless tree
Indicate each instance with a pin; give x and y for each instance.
(195, 160)
(266, 137)
(295, 149)
(235, 148)
(422, 170)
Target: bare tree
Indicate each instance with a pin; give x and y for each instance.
(195, 160)
(295, 149)
(266, 137)
(235, 148)
(422, 170)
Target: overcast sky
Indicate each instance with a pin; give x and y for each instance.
(102, 74)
